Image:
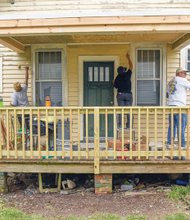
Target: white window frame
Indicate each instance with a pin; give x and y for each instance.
(51, 48)
(163, 71)
(1, 73)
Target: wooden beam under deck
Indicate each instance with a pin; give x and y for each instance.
(84, 167)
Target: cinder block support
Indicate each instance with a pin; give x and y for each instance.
(103, 183)
(3, 183)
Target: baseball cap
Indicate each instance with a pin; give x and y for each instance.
(180, 69)
(121, 69)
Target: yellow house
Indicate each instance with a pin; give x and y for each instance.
(73, 49)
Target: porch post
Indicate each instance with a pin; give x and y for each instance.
(103, 182)
(96, 141)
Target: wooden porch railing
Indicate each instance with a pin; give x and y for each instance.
(90, 133)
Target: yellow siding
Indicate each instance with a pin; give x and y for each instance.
(73, 53)
(12, 61)
(173, 62)
(13, 71)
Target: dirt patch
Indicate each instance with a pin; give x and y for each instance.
(152, 204)
(147, 198)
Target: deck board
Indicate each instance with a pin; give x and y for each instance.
(84, 167)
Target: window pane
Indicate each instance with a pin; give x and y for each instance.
(148, 77)
(148, 64)
(54, 90)
(188, 54)
(148, 92)
(49, 77)
(96, 74)
(157, 63)
(107, 72)
(101, 74)
(188, 59)
(90, 74)
(49, 65)
(188, 66)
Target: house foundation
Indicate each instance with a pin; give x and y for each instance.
(3, 183)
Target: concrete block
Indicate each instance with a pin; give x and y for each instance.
(103, 183)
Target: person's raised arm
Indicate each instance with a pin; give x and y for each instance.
(26, 75)
(129, 61)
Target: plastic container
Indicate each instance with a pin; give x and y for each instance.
(181, 182)
(48, 101)
(126, 187)
(1, 101)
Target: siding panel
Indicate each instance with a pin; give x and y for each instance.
(68, 8)
(13, 71)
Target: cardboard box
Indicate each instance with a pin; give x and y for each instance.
(118, 143)
(142, 147)
(126, 133)
(126, 147)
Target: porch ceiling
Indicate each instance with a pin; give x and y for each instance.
(100, 38)
(174, 30)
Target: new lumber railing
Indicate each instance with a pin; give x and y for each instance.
(91, 133)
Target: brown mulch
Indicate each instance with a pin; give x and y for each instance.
(152, 204)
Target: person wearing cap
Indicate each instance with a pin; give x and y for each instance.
(177, 96)
(19, 98)
(122, 83)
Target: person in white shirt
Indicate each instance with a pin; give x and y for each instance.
(177, 96)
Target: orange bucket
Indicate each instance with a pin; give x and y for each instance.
(48, 101)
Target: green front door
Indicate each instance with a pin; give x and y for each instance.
(98, 91)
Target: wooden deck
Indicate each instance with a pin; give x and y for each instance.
(87, 140)
(88, 167)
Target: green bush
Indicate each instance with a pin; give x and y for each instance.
(179, 192)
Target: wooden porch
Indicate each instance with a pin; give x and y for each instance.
(87, 140)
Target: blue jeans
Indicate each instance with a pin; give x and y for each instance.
(124, 99)
(176, 128)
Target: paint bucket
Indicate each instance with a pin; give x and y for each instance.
(1, 101)
(48, 101)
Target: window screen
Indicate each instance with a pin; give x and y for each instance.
(188, 59)
(148, 77)
(49, 77)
